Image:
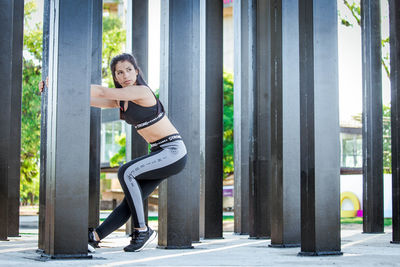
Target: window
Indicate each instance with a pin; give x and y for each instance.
(110, 130)
(351, 149)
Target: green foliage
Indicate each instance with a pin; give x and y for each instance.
(119, 158)
(228, 156)
(114, 38)
(30, 113)
(387, 141)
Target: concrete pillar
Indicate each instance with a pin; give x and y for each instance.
(394, 17)
(68, 129)
(180, 92)
(95, 117)
(285, 124)
(260, 145)
(137, 42)
(243, 111)
(15, 127)
(319, 128)
(211, 119)
(11, 17)
(372, 117)
(43, 126)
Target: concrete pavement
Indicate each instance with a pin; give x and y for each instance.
(234, 250)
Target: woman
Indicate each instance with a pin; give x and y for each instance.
(139, 107)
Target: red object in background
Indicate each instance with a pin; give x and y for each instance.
(359, 213)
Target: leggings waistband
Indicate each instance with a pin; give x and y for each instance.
(170, 138)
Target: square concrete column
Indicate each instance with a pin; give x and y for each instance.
(251, 112)
(95, 117)
(180, 93)
(394, 17)
(319, 128)
(137, 43)
(43, 126)
(211, 119)
(11, 17)
(372, 117)
(243, 111)
(260, 148)
(68, 129)
(14, 160)
(285, 120)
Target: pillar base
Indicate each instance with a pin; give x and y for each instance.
(175, 247)
(373, 233)
(284, 245)
(45, 257)
(211, 238)
(320, 253)
(259, 237)
(395, 242)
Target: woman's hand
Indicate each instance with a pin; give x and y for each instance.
(41, 85)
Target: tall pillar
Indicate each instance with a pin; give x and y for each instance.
(285, 129)
(138, 42)
(180, 93)
(11, 17)
(260, 148)
(372, 117)
(68, 129)
(243, 111)
(319, 128)
(394, 21)
(211, 119)
(95, 118)
(43, 126)
(15, 127)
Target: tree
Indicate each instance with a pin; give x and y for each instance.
(228, 153)
(30, 113)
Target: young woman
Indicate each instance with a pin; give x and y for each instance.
(139, 107)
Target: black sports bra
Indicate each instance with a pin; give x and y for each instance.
(139, 116)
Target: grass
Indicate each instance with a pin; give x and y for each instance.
(359, 220)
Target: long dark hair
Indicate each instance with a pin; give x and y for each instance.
(130, 58)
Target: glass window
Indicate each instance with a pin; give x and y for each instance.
(109, 131)
(351, 150)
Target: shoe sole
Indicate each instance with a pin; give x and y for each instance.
(151, 238)
(91, 249)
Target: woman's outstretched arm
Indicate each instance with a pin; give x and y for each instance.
(132, 92)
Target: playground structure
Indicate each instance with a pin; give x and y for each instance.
(286, 121)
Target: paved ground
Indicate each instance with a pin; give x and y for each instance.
(234, 250)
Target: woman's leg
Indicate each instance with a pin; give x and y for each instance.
(121, 214)
(158, 165)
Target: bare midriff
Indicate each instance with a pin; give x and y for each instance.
(158, 130)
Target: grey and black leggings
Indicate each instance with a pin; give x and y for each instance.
(140, 177)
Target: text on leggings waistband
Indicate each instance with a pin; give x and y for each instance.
(166, 139)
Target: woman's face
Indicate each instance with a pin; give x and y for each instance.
(125, 73)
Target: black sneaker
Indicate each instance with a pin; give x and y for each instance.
(140, 240)
(92, 240)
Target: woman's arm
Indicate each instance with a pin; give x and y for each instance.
(103, 103)
(132, 92)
